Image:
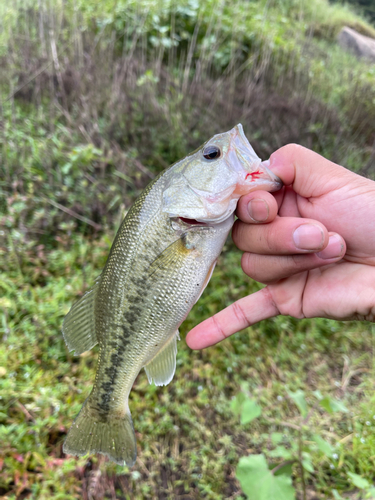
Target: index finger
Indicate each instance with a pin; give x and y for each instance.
(241, 314)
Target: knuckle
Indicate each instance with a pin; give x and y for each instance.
(240, 314)
(298, 262)
(254, 266)
(246, 263)
(271, 238)
(291, 148)
(220, 332)
(235, 235)
(240, 235)
(288, 266)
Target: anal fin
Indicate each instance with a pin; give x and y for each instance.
(79, 324)
(163, 366)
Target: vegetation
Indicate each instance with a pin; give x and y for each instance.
(367, 7)
(96, 99)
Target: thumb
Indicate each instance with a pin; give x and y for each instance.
(310, 174)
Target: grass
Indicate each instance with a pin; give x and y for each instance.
(131, 88)
(189, 440)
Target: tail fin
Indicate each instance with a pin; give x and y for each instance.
(113, 437)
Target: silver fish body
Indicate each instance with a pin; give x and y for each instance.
(160, 262)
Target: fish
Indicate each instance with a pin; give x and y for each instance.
(160, 262)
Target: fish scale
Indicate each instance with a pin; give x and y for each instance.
(160, 262)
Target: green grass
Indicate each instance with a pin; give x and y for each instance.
(189, 441)
(136, 87)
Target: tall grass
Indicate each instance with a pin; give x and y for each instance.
(138, 85)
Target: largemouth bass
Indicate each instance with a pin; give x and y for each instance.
(160, 262)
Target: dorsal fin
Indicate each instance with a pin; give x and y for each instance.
(79, 324)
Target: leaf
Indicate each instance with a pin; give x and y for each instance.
(359, 481)
(318, 395)
(247, 408)
(285, 470)
(281, 452)
(66, 168)
(336, 495)
(323, 445)
(276, 437)
(123, 176)
(258, 482)
(39, 459)
(244, 387)
(237, 403)
(337, 405)
(300, 401)
(307, 464)
(332, 405)
(250, 411)
(370, 493)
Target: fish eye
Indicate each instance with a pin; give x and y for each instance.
(211, 153)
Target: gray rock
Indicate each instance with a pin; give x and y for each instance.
(360, 45)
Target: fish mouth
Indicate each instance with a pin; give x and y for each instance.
(208, 223)
(253, 173)
(224, 219)
(192, 222)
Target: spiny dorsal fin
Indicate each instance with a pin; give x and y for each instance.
(79, 324)
(161, 369)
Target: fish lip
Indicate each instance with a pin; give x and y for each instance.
(251, 164)
(273, 177)
(244, 149)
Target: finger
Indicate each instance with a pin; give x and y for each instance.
(241, 314)
(271, 268)
(289, 207)
(307, 172)
(283, 236)
(255, 207)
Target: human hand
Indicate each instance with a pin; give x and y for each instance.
(314, 248)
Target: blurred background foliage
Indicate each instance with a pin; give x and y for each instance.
(97, 97)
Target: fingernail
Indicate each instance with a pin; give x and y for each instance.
(308, 237)
(258, 210)
(334, 248)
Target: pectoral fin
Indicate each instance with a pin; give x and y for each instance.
(79, 324)
(162, 367)
(170, 256)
